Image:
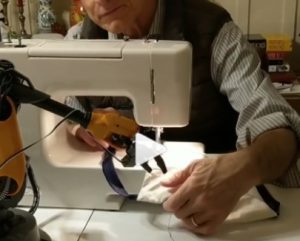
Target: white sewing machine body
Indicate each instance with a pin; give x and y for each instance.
(155, 75)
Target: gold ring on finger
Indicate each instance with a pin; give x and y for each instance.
(196, 225)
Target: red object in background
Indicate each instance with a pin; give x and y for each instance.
(76, 12)
(277, 55)
(58, 28)
(288, 77)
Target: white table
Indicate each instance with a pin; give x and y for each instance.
(145, 222)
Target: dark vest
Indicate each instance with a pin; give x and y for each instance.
(212, 119)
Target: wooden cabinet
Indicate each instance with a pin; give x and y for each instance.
(294, 101)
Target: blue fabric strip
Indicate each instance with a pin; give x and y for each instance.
(111, 175)
(269, 199)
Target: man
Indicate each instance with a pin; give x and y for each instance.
(234, 105)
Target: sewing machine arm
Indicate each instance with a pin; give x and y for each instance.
(109, 126)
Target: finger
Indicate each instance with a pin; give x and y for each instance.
(179, 198)
(89, 139)
(185, 188)
(107, 109)
(85, 136)
(201, 224)
(187, 210)
(176, 179)
(207, 228)
(179, 177)
(101, 145)
(173, 189)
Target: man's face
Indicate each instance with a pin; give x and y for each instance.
(120, 16)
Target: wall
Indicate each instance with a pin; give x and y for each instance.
(268, 16)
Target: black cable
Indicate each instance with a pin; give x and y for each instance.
(35, 189)
(8, 77)
(5, 185)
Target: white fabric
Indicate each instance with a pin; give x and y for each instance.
(152, 191)
(250, 207)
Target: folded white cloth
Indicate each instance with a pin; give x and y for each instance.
(251, 207)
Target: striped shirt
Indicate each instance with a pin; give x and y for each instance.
(236, 72)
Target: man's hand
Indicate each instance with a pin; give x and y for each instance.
(206, 191)
(107, 127)
(86, 137)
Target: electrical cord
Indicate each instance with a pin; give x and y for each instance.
(5, 188)
(8, 77)
(35, 188)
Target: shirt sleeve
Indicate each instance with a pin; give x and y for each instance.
(236, 71)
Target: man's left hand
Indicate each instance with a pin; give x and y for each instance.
(205, 192)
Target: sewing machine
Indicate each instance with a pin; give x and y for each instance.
(155, 75)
